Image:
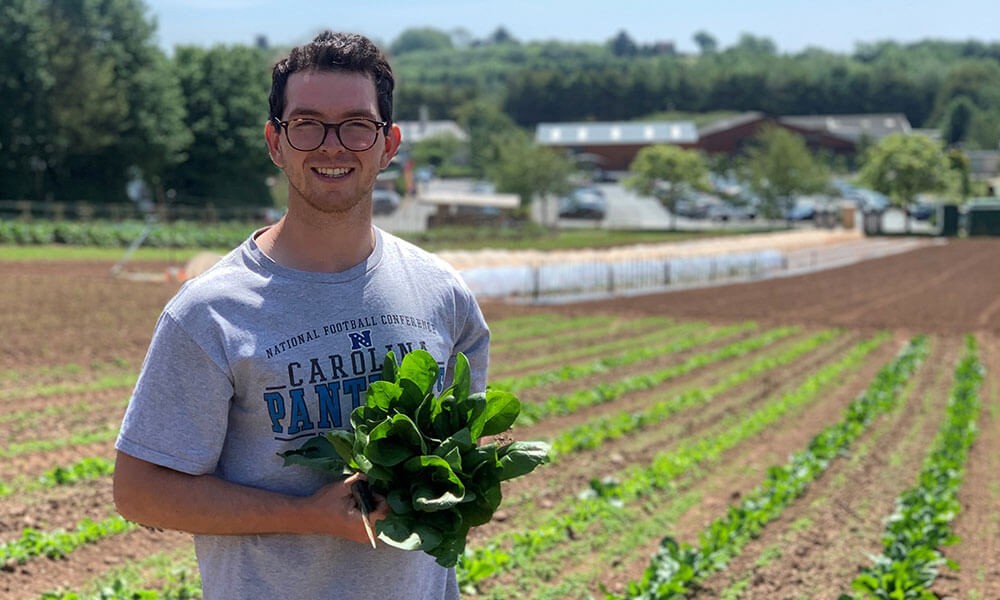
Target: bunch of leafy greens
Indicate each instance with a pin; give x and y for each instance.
(421, 452)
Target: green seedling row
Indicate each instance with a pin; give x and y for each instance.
(571, 372)
(593, 433)
(921, 524)
(677, 567)
(532, 327)
(171, 575)
(564, 404)
(59, 543)
(83, 470)
(573, 350)
(45, 445)
(106, 382)
(582, 338)
(605, 500)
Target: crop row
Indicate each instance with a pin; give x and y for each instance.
(606, 498)
(177, 234)
(590, 337)
(59, 543)
(920, 526)
(92, 467)
(594, 432)
(563, 404)
(572, 349)
(915, 532)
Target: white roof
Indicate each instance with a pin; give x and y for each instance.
(616, 133)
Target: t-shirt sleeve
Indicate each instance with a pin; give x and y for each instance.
(177, 416)
(473, 340)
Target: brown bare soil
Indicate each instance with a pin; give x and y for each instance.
(951, 288)
(65, 326)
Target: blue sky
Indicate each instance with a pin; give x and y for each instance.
(836, 25)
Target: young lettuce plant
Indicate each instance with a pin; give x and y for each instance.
(421, 451)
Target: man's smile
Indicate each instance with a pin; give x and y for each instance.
(333, 173)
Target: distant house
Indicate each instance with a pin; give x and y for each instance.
(613, 145)
(732, 135)
(854, 128)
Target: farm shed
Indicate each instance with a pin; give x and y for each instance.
(983, 217)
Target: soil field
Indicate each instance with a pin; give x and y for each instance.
(719, 383)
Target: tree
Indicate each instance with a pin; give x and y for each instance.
(623, 45)
(420, 38)
(485, 123)
(668, 172)
(957, 119)
(437, 150)
(751, 45)
(707, 44)
(225, 96)
(976, 80)
(98, 99)
(526, 169)
(501, 36)
(960, 166)
(780, 166)
(902, 166)
(984, 132)
(24, 81)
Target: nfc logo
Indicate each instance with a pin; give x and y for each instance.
(361, 339)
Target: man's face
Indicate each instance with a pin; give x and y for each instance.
(331, 179)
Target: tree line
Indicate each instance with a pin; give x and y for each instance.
(91, 103)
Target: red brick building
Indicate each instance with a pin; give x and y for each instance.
(612, 146)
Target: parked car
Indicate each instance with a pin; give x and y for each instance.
(695, 204)
(583, 203)
(921, 211)
(726, 211)
(384, 202)
(867, 200)
(801, 211)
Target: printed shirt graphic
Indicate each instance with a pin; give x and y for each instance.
(318, 393)
(251, 359)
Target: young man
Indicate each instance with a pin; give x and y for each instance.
(279, 341)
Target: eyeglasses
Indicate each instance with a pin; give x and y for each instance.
(356, 135)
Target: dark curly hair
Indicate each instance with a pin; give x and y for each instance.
(330, 51)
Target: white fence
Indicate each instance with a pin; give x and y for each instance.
(560, 281)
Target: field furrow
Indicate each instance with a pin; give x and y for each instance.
(977, 525)
(653, 509)
(820, 542)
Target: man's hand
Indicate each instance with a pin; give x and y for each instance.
(336, 508)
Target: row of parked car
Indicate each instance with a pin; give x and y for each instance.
(732, 202)
(583, 203)
(871, 201)
(744, 204)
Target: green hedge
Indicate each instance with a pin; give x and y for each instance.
(107, 234)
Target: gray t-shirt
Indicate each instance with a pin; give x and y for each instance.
(251, 359)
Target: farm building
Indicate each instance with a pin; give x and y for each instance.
(613, 145)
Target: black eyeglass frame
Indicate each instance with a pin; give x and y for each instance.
(379, 126)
